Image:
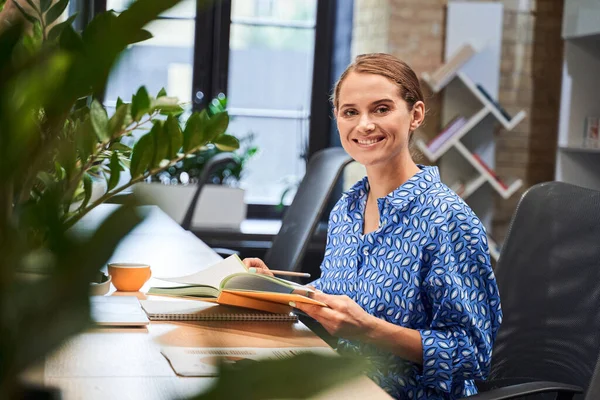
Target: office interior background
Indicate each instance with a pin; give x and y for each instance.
(276, 61)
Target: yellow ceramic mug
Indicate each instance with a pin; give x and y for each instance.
(129, 277)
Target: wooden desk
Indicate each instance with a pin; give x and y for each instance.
(126, 363)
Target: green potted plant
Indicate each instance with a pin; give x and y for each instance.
(54, 139)
(222, 202)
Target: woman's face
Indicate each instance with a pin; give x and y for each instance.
(373, 120)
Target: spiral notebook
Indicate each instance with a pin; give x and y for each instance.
(197, 310)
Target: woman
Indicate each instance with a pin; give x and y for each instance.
(406, 272)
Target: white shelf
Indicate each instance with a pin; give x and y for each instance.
(456, 61)
(512, 186)
(575, 149)
(474, 120)
(508, 124)
(472, 186)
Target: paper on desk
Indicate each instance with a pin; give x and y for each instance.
(203, 361)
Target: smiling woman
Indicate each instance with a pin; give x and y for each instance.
(406, 273)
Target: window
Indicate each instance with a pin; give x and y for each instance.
(271, 51)
(166, 60)
(261, 54)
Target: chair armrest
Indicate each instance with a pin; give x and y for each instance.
(223, 252)
(563, 390)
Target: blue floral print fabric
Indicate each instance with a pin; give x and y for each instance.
(427, 268)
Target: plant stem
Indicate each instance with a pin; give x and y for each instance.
(70, 221)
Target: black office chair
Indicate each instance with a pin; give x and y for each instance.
(212, 165)
(548, 275)
(301, 218)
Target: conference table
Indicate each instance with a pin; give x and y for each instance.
(126, 363)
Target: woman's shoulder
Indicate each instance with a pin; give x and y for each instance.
(451, 208)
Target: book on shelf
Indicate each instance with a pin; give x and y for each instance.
(451, 129)
(443, 74)
(228, 282)
(591, 136)
(488, 96)
(490, 171)
(195, 310)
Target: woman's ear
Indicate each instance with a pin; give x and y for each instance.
(417, 115)
(334, 112)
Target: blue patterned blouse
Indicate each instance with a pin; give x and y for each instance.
(427, 268)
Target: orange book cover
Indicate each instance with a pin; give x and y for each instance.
(233, 299)
(280, 298)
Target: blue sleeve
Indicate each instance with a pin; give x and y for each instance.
(465, 311)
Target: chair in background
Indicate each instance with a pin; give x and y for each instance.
(548, 275)
(212, 165)
(301, 218)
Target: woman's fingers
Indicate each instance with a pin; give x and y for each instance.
(256, 265)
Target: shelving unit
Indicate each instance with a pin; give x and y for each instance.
(469, 80)
(489, 109)
(580, 95)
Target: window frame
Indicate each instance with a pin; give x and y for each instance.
(211, 67)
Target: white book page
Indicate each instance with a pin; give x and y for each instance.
(213, 275)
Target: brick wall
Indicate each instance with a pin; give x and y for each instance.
(530, 75)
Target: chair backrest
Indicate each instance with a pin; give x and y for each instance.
(210, 167)
(548, 275)
(301, 218)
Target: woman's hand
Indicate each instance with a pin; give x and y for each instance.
(256, 265)
(343, 317)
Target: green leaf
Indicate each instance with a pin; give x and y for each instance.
(116, 124)
(87, 188)
(140, 104)
(98, 28)
(86, 139)
(140, 36)
(161, 143)
(56, 11)
(173, 131)
(167, 106)
(165, 102)
(119, 147)
(58, 28)
(70, 40)
(227, 143)
(217, 125)
(37, 31)
(115, 171)
(99, 121)
(143, 153)
(193, 134)
(119, 102)
(27, 16)
(299, 377)
(33, 5)
(45, 5)
(162, 92)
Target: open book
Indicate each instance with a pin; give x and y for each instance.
(229, 282)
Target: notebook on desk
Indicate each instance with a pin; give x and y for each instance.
(197, 310)
(117, 311)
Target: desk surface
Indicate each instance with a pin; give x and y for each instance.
(126, 363)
